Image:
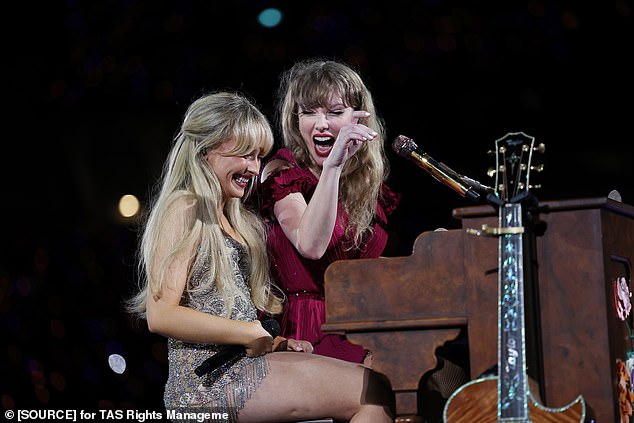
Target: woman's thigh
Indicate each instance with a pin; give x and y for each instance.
(303, 386)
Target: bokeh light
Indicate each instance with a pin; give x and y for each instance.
(117, 363)
(270, 17)
(129, 205)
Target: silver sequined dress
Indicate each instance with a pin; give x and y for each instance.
(186, 392)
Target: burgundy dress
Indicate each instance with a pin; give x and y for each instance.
(302, 279)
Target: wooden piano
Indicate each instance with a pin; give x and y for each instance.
(403, 308)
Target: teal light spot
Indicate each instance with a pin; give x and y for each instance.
(270, 17)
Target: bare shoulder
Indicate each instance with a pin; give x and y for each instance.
(274, 166)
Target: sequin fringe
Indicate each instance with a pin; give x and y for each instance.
(246, 379)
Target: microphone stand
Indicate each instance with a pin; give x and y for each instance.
(475, 185)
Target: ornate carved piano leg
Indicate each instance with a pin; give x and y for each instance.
(404, 357)
(407, 407)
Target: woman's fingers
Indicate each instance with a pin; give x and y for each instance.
(299, 346)
(358, 132)
(360, 114)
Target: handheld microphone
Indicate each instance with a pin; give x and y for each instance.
(406, 147)
(228, 355)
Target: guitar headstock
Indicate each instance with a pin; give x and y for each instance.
(514, 163)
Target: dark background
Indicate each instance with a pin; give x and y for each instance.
(95, 90)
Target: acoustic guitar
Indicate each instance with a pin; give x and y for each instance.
(506, 397)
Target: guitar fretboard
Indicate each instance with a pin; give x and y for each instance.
(513, 405)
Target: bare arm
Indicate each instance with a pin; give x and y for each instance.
(309, 226)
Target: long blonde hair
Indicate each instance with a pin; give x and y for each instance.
(310, 84)
(187, 178)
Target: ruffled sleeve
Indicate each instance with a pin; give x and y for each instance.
(285, 181)
(389, 200)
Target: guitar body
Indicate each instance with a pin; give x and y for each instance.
(477, 400)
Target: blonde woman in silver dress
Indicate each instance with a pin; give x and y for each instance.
(205, 278)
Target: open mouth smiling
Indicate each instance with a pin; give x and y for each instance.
(323, 144)
(242, 181)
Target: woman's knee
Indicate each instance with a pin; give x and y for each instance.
(377, 390)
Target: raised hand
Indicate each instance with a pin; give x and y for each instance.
(350, 139)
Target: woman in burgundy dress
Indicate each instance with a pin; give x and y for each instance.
(324, 193)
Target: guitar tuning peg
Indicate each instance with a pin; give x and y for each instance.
(538, 168)
(491, 172)
(490, 153)
(541, 148)
(537, 186)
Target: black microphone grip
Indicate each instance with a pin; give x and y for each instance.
(228, 355)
